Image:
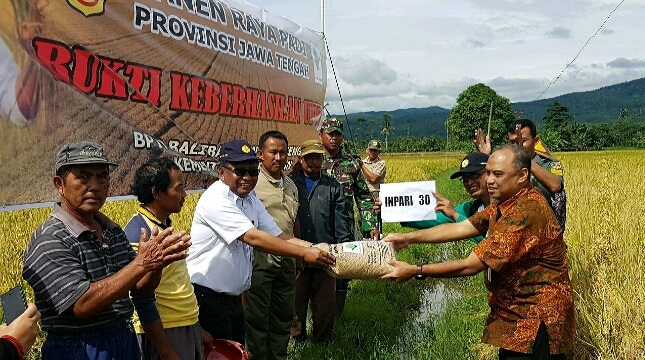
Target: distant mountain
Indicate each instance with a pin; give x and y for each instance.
(596, 106)
(418, 122)
(590, 107)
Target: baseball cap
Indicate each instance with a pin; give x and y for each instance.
(374, 145)
(332, 124)
(311, 147)
(82, 153)
(237, 151)
(473, 162)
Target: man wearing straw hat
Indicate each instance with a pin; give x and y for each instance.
(324, 217)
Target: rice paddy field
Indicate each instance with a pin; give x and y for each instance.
(443, 319)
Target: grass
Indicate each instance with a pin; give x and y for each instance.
(606, 249)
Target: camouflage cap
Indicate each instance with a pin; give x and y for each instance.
(311, 147)
(374, 145)
(332, 124)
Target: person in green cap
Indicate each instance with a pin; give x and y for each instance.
(374, 167)
(347, 170)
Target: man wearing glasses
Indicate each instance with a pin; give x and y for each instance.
(473, 175)
(229, 221)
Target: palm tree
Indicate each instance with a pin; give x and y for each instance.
(387, 128)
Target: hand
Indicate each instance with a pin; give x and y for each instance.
(207, 339)
(516, 138)
(313, 255)
(377, 205)
(24, 328)
(402, 271)
(398, 240)
(162, 248)
(375, 234)
(445, 206)
(482, 143)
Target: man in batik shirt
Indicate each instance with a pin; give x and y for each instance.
(524, 258)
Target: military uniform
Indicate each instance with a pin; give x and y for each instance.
(557, 200)
(347, 170)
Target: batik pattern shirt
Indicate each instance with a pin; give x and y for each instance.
(528, 280)
(347, 170)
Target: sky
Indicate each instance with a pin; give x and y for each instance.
(398, 54)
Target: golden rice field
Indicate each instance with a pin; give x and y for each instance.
(605, 236)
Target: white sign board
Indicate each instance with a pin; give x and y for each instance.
(408, 201)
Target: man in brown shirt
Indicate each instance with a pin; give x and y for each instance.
(524, 257)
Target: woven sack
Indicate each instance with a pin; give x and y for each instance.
(360, 259)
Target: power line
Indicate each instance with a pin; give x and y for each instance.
(583, 47)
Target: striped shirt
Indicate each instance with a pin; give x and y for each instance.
(62, 260)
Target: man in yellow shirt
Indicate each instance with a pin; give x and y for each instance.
(159, 187)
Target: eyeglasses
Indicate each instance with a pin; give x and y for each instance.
(242, 172)
(471, 176)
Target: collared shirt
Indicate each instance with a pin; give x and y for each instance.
(175, 296)
(377, 167)
(216, 258)
(8, 76)
(323, 214)
(61, 261)
(528, 281)
(280, 198)
(347, 171)
(557, 200)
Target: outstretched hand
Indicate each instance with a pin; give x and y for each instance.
(402, 271)
(482, 143)
(398, 240)
(162, 248)
(445, 206)
(313, 255)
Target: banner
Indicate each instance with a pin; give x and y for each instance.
(145, 79)
(408, 201)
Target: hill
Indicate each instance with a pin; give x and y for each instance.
(602, 105)
(596, 106)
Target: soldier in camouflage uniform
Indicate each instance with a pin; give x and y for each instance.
(347, 170)
(548, 175)
(546, 171)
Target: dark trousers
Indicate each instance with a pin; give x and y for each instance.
(220, 314)
(114, 344)
(316, 285)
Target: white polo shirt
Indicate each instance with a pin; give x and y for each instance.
(216, 259)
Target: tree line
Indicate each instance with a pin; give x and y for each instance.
(479, 106)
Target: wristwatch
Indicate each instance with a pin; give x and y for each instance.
(419, 275)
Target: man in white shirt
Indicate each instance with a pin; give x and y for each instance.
(229, 220)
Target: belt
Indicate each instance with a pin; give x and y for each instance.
(213, 293)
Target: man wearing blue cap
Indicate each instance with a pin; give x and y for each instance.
(83, 269)
(229, 220)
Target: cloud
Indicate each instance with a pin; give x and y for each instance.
(472, 43)
(359, 70)
(607, 31)
(623, 63)
(559, 32)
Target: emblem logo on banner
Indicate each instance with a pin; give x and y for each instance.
(88, 7)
